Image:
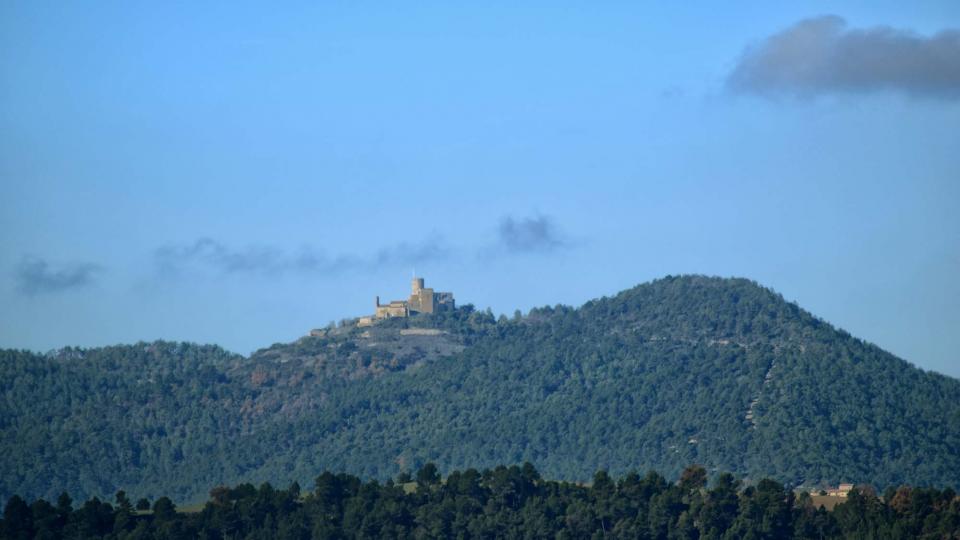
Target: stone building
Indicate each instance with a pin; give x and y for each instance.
(840, 491)
(422, 300)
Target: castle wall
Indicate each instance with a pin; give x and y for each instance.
(393, 309)
(443, 301)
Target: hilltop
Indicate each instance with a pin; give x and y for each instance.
(690, 369)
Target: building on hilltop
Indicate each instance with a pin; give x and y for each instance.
(422, 300)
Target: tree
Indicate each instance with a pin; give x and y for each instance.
(46, 520)
(64, 508)
(17, 520)
(693, 478)
(123, 518)
(719, 508)
(428, 476)
(164, 509)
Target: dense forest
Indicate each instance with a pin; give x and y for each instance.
(681, 370)
(504, 502)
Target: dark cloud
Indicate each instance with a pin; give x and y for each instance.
(529, 235)
(822, 55)
(431, 249)
(210, 254)
(36, 276)
(207, 252)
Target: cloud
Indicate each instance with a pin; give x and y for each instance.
(529, 235)
(432, 249)
(823, 56)
(210, 254)
(35, 276)
(207, 252)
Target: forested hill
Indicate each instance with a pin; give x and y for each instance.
(720, 372)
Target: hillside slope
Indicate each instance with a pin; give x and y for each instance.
(681, 370)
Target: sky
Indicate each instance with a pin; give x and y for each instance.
(239, 173)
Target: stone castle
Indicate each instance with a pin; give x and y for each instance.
(422, 300)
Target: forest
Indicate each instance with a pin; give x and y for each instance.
(503, 502)
(689, 369)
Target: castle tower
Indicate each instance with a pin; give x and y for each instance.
(422, 300)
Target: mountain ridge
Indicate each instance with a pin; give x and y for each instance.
(685, 369)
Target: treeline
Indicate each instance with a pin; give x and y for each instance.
(504, 502)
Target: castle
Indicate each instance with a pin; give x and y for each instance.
(422, 300)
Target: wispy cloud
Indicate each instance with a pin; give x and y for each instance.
(431, 249)
(529, 235)
(822, 55)
(35, 276)
(209, 254)
(538, 234)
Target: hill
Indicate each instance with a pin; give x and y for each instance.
(691, 369)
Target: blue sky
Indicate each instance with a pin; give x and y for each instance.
(237, 174)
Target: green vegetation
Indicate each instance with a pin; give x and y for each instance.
(505, 502)
(655, 377)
